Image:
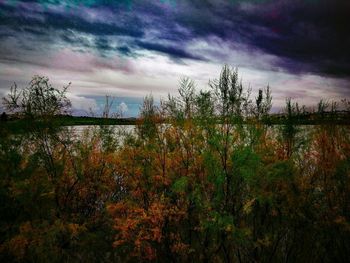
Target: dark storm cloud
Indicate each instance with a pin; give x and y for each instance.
(68, 19)
(124, 50)
(307, 36)
(75, 39)
(171, 51)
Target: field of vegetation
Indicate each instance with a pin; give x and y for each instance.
(207, 176)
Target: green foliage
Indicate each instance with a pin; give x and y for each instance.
(246, 163)
(39, 99)
(180, 185)
(201, 178)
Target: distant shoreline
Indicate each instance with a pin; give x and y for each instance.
(339, 118)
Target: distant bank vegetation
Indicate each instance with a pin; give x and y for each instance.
(191, 183)
(41, 101)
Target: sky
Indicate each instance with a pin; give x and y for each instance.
(131, 48)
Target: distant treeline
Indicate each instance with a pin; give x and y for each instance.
(40, 100)
(340, 117)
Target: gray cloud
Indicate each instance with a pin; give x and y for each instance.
(277, 40)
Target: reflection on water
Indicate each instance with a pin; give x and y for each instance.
(86, 132)
(118, 134)
(80, 129)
